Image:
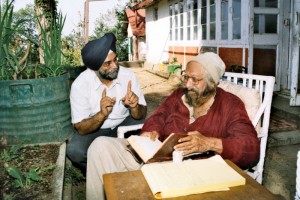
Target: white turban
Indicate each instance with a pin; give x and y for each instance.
(212, 63)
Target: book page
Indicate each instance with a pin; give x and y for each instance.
(190, 177)
(144, 146)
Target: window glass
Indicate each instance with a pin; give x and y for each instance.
(181, 6)
(224, 19)
(266, 3)
(171, 35)
(212, 12)
(195, 17)
(188, 33)
(212, 31)
(181, 33)
(236, 28)
(265, 23)
(181, 20)
(203, 15)
(171, 21)
(195, 33)
(236, 15)
(204, 37)
(176, 14)
(212, 20)
(204, 19)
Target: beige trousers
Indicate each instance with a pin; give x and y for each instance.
(106, 155)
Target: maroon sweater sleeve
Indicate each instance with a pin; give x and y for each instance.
(240, 144)
(167, 111)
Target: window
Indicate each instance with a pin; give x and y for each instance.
(212, 21)
(204, 19)
(171, 21)
(224, 20)
(236, 17)
(183, 16)
(266, 3)
(176, 9)
(265, 23)
(215, 19)
(225, 25)
(181, 27)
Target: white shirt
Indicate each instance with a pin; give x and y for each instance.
(86, 94)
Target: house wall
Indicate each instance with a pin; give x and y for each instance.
(182, 53)
(157, 33)
(160, 48)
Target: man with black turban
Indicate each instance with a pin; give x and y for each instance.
(103, 97)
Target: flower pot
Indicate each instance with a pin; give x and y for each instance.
(35, 110)
(175, 69)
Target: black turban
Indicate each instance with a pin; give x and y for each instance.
(95, 52)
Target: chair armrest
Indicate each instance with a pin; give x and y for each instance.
(123, 129)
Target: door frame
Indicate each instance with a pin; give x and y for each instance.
(294, 52)
(275, 39)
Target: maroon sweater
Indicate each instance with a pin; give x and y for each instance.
(227, 119)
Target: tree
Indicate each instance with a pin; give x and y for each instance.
(72, 45)
(46, 13)
(27, 29)
(113, 22)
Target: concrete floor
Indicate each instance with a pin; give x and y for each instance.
(281, 155)
(280, 170)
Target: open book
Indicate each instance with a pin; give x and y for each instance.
(154, 151)
(169, 179)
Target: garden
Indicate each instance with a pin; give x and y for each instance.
(37, 67)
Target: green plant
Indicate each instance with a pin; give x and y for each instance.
(174, 60)
(74, 175)
(11, 63)
(22, 179)
(51, 45)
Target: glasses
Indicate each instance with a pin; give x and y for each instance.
(185, 78)
(108, 63)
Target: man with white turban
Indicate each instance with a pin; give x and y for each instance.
(211, 119)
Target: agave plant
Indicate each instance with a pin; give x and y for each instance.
(11, 62)
(51, 45)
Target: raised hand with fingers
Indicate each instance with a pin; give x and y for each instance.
(106, 103)
(131, 100)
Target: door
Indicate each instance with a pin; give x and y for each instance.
(295, 82)
(269, 40)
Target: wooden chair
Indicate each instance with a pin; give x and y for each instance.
(241, 85)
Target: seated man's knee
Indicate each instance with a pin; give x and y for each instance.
(100, 144)
(75, 153)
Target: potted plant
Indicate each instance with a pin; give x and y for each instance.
(34, 98)
(174, 67)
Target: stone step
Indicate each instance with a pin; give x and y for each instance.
(284, 138)
(281, 108)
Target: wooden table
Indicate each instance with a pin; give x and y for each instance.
(132, 185)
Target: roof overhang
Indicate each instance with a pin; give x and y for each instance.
(145, 4)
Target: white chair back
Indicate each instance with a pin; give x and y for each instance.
(265, 86)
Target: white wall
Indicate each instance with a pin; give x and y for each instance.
(157, 33)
